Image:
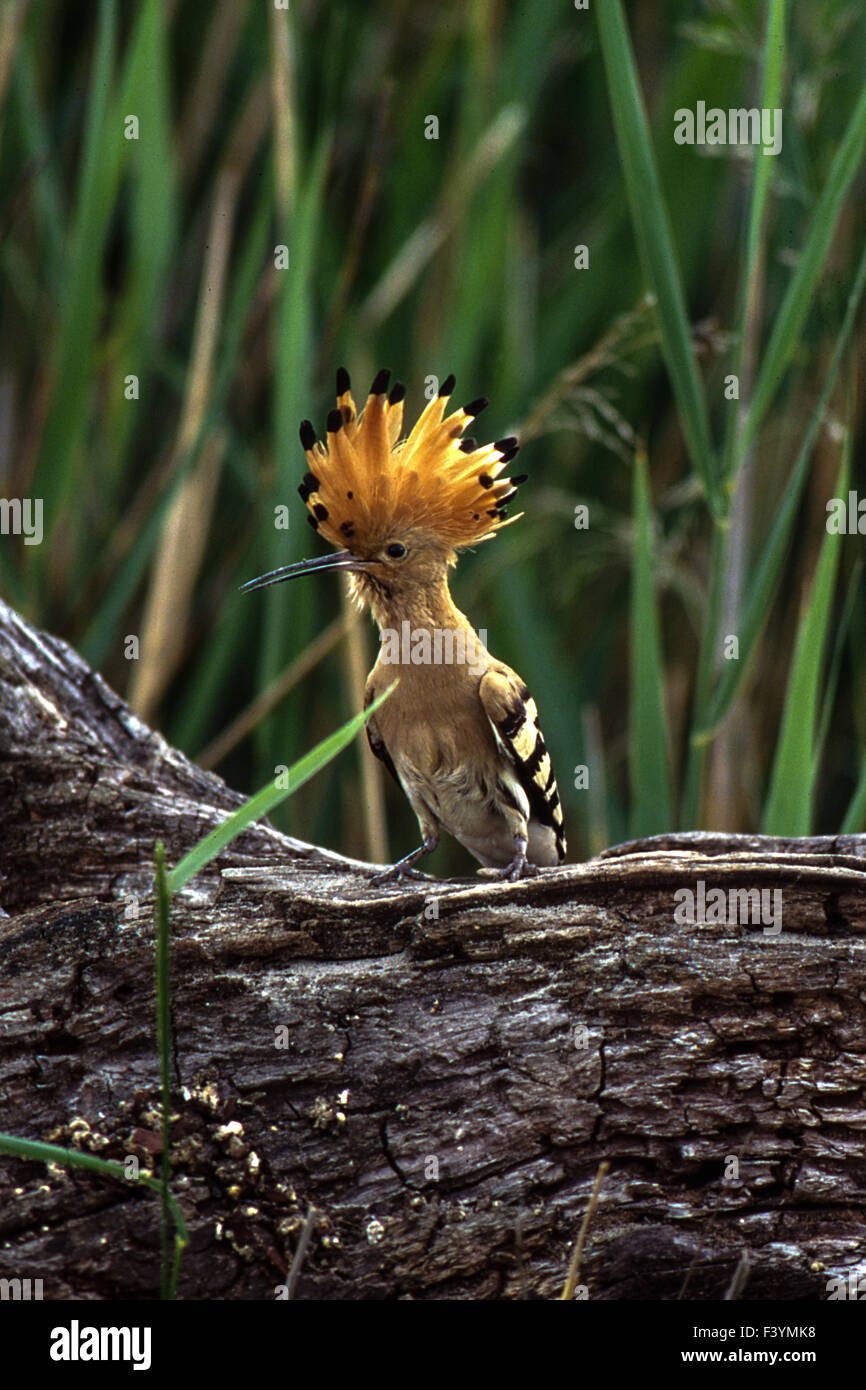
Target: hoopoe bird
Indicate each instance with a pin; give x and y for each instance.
(460, 737)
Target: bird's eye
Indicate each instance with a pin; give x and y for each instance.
(396, 550)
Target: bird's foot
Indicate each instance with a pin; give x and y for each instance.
(518, 868)
(515, 870)
(403, 867)
(395, 874)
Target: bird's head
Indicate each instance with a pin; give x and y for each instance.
(399, 509)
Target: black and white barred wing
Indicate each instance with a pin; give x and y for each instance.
(514, 718)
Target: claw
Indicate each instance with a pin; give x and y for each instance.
(518, 868)
(404, 865)
(395, 874)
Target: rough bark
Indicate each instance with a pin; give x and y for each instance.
(437, 1068)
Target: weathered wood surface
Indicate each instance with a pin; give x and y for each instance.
(438, 1068)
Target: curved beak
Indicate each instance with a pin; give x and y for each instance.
(341, 560)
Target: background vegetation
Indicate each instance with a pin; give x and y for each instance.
(259, 127)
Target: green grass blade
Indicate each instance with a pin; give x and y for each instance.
(270, 796)
(648, 740)
(153, 215)
(103, 625)
(48, 199)
(788, 809)
(690, 801)
(855, 816)
(102, 159)
(770, 100)
(801, 290)
(655, 239)
(760, 595)
(834, 670)
(281, 611)
(106, 1168)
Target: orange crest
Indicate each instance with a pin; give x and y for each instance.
(366, 484)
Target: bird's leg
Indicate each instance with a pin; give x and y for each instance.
(397, 870)
(518, 868)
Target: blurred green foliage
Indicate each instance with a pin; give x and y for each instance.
(155, 257)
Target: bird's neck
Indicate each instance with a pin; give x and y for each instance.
(429, 606)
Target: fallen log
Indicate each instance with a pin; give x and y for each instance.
(419, 1082)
